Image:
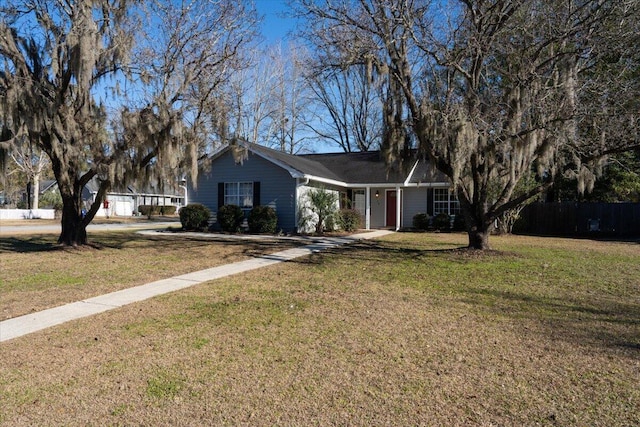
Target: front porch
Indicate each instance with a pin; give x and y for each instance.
(380, 207)
(393, 208)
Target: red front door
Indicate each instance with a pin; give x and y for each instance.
(391, 208)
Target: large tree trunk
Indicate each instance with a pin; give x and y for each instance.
(479, 224)
(75, 217)
(74, 223)
(74, 226)
(479, 238)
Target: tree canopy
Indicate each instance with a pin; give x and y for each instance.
(492, 92)
(505, 97)
(116, 91)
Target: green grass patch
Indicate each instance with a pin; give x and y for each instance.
(164, 385)
(43, 280)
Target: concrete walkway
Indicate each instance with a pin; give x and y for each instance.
(23, 325)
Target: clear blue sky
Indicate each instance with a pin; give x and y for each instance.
(274, 26)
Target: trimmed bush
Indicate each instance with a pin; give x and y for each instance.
(148, 210)
(350, 219)
(194, 217)
(442, 222)
(145, 210)
(167, 210)
(421, 221)
(263, 219)
(230, 218)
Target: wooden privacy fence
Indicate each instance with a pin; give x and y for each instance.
(580, 219)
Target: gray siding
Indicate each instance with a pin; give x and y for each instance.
(277, 187)
(415, 201)
(377, 207)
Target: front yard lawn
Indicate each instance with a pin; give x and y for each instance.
(406, 330)
(37, 273)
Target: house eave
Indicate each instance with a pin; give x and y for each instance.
(219, 152)
(393, 184)
(426, 184)
(373, 184)
(325, 180)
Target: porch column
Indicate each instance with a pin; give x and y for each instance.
(398, 204)
(367, 209)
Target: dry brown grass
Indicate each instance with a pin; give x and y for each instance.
(37, 273)
(403, 331)
(22, 222)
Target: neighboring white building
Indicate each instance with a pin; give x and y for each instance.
(123, 203)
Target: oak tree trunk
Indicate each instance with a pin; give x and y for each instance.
(479, 239)
(479, 225)
(74, 226)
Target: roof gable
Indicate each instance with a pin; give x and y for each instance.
(298, 165)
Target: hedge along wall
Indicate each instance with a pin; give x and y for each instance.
(157, 210)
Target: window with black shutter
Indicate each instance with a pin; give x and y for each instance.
(241, 194)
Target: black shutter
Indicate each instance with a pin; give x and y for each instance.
(220, 194)
(349, 199)
(256, 193)
(430, 201)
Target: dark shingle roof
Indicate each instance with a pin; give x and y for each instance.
(300, 163)
(360, 168)
(351, 168)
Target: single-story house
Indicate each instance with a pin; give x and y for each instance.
(263, 176)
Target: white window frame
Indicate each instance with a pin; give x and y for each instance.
(239, 198)
(362, 206)
(445, 201)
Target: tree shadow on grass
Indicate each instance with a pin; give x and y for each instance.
(381, 251)
(124, 240)
(596, 321)
(246, 247)
(30, 244)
